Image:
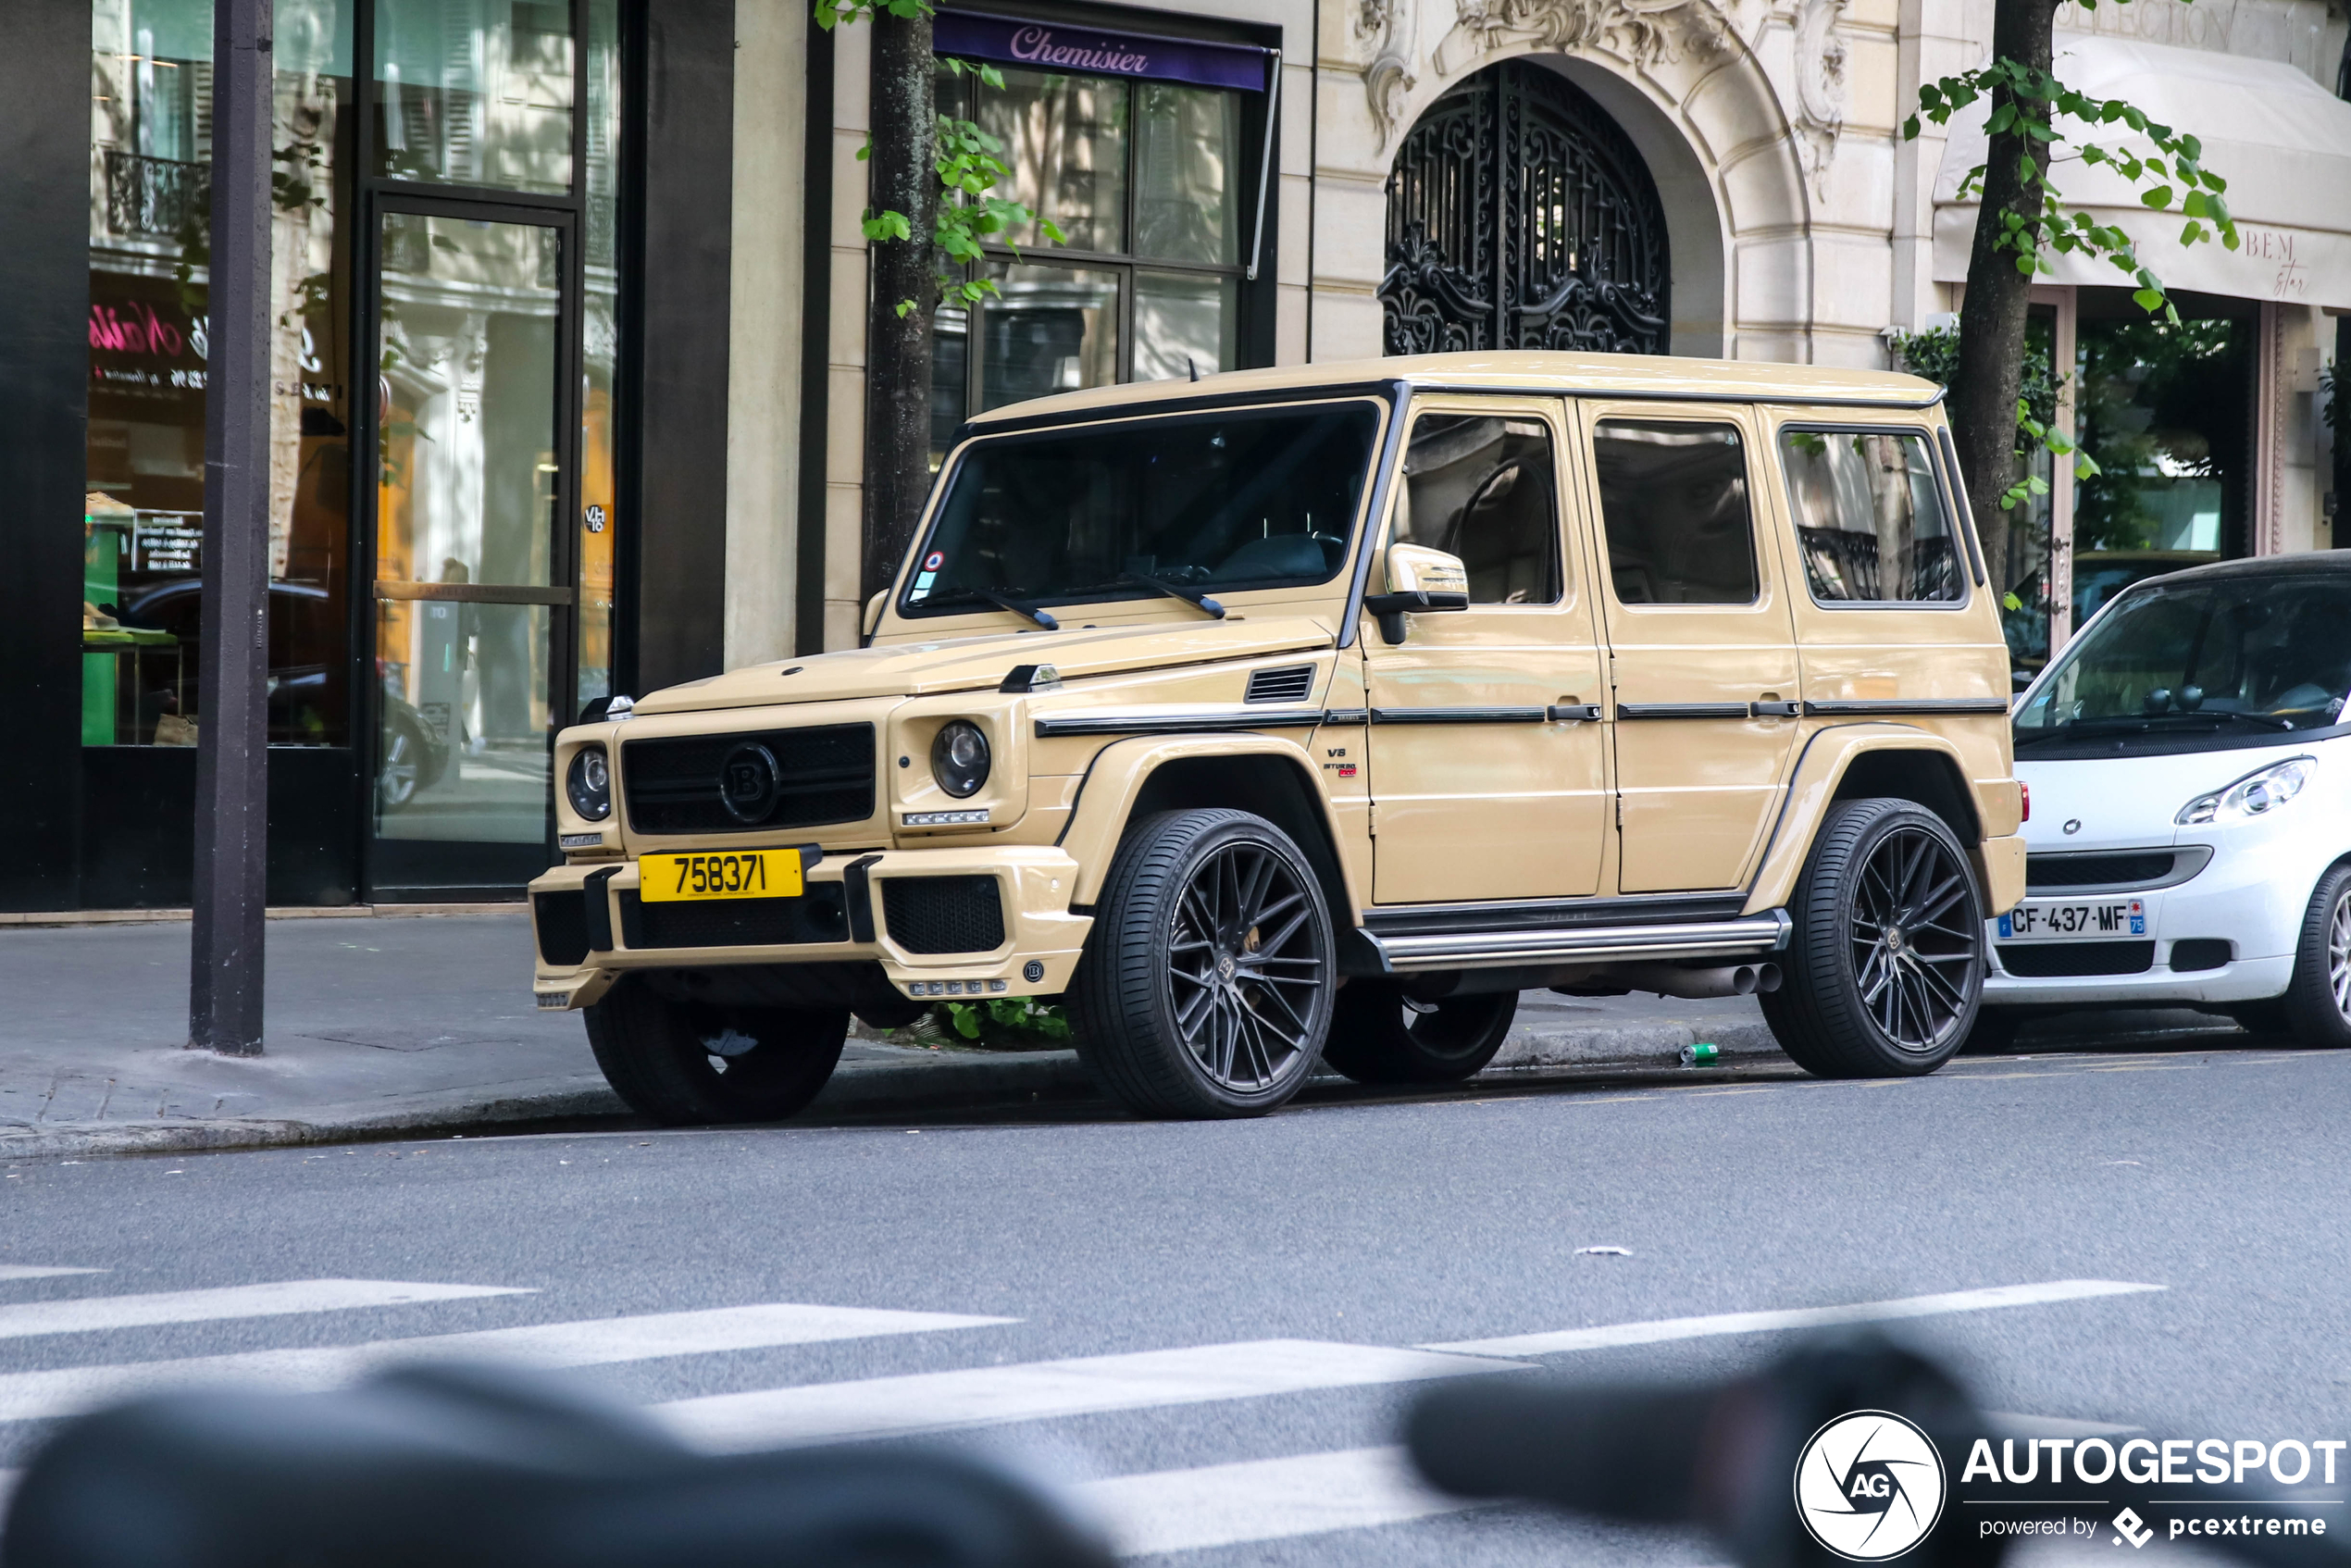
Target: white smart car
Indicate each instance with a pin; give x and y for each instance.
(2189, 770)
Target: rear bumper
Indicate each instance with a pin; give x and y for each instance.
(591, 929)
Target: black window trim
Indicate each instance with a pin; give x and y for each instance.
(1961, 544)
(1558, 425)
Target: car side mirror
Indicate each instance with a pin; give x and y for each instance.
(1419, 581)
(873, 613)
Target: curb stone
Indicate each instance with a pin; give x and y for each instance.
(927, 1081)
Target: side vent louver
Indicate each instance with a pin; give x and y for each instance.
(1289, 684)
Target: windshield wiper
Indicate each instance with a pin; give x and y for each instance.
(2124, 724)
(1029, 611)
(1193, 597)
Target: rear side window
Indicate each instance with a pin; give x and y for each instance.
(1479, 487)
(1869, 518)
(1673, 499)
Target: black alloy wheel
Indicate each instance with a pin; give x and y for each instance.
(1884, 967)
(692, 1065)
(1206, 985)
(1381, 1035)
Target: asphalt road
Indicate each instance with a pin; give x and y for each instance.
(1264, 1286)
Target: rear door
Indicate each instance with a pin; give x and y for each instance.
(1702, 645)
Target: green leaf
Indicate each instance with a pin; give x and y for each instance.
(2159, 197)
(2011, 602)
(2148, 299)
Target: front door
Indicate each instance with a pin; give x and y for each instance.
(471, 599)
(1482, 787)
(1700, 641)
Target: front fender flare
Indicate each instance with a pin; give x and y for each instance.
(1116, 781)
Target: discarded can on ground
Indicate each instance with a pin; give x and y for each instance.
(1700, 1055)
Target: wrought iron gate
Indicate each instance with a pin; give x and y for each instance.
(1520, 217)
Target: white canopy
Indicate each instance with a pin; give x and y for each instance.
(2280, 140)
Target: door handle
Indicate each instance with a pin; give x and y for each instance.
(1775, 710)
(1573, 712)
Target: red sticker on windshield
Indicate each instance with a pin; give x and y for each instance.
(934, 560)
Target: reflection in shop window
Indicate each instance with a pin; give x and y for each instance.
(142, 527)
(2164, 411)
(475, 94)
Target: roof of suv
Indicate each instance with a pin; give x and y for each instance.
(1618, 375)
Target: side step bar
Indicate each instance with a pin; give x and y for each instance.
(1589, 944)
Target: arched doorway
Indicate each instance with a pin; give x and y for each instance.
(1519, 216)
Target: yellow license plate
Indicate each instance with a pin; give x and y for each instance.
(745, 873)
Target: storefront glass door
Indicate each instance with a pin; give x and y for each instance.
(472, 582)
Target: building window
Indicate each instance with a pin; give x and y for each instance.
(1147, 182)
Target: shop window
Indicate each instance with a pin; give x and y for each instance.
(475, 94)
(142, 524)
(1145, 180)
(2166, 412)
(1869, 518)
(1673, 499)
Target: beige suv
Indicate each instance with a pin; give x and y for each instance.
(1315, 714)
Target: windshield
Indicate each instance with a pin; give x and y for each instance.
(1237, 499)
(2246, 654)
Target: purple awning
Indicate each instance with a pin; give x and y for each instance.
(1056, 46)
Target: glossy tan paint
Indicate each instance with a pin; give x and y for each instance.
(1489, 811)
(1695, 795)
(1831, 750)
(1120, 773)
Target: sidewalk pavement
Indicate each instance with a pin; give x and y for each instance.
(394, 1027)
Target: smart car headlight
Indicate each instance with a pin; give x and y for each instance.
(2256, 795)
(589, 784)
(959, 758)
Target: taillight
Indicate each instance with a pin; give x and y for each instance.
(2024, 801)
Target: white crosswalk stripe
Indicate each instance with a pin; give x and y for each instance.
(932, 1401)
(32, 1396)
(1659, 1331)
(39, 1270)
(1264, 1499)
(88, 1314)
(1164, 1512)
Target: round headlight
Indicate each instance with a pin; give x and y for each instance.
(959, 758)
(589, 784)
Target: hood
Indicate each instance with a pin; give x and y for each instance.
(979, 664)
(2128, 803)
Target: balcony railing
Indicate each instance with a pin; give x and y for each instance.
(148, 195)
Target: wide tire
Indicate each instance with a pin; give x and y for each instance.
(1884, 969)
(688, 1064)
(2316, 1008)
(1380, 1036)
(1206, 985)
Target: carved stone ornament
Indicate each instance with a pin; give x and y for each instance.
(1388, 84)
(1822, 90)
(1645, 31)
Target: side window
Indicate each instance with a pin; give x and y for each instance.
(1674, 504)
(1481, 487)
(1869, 518)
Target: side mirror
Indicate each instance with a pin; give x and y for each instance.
(873, 613)
(1419, 581)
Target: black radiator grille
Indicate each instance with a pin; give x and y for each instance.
(2054, 960)
(825, 774)
(944, 914)
(2049, 873)
(1291, 683)
(562, 919)
(818, 916)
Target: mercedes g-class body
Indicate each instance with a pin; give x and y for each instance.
(1313, 714)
